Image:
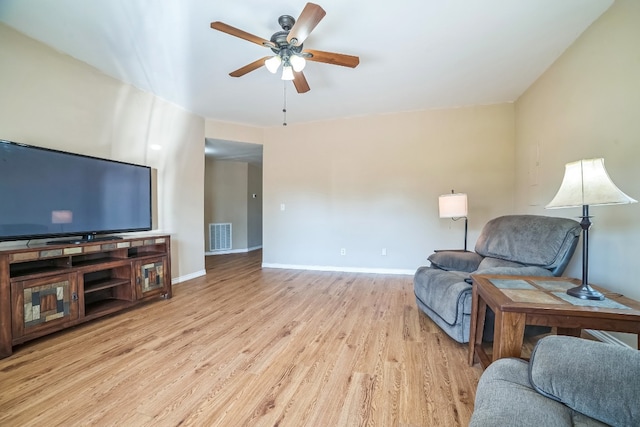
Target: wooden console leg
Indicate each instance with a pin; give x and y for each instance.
(5, 351)
(5, 310)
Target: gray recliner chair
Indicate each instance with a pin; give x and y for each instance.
(522, 245)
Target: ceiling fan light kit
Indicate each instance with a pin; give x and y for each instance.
(288, 49)
(273, 63)
(287, 72)
(288, 61)
(297, 62)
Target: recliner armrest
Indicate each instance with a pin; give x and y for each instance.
(529, 270)
(594, 378)
(455, 260)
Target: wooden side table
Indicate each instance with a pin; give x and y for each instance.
(522, 300)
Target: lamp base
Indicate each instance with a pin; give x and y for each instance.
(585, 292)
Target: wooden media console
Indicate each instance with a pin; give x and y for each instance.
(46, 288)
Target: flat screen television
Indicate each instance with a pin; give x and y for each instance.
(48, 193)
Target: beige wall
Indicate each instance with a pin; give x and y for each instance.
(226, 198)
(364, 183)
(254, 207)
(370, 183)
(587, 105)
(233, 132)
(54, 101)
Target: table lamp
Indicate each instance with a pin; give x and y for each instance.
(454, 206)
(586, 183)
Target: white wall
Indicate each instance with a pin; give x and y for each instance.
(587, 105)
(54, 101)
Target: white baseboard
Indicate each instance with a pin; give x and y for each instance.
(340, 269)
(234, 251)
(186, 277)
(606, 337)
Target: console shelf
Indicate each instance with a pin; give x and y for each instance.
(99, 285)
(37, 272)
(46, 288)
(104, 307)
(144, 254)
(90, 262)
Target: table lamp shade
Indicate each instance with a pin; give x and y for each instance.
(453, 205)
(586, 182)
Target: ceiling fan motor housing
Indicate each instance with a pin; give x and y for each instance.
(279, 38)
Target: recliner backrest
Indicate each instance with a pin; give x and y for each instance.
(543, 241)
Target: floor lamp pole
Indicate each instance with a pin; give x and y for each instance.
(465, 233)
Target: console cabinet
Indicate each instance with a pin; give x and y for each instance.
(44, 289)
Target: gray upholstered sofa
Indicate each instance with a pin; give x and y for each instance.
(524, 245)
(568, 382)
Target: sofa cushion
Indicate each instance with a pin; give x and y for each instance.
(505, 398)
(529, 239)
(455, 260)
(594, 378)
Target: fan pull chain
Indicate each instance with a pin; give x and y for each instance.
(284, 108)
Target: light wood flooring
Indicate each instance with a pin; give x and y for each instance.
(245, 346)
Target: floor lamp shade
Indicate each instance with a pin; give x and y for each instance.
(587, 183)
(452, 205)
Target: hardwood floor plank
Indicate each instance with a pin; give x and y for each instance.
(253, 347)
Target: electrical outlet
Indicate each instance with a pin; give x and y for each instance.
(281, 206)
(343, 251)
(384, 251)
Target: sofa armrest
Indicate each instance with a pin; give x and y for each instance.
(597, 379)
(455, 260)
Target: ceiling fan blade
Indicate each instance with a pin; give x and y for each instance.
(249, 67)
(225, 28)
(309, 18)
(332, 58)
(300, 82)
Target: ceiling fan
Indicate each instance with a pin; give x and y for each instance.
(288, 49)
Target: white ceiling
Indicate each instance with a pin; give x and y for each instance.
(233, 151)
(414, 54)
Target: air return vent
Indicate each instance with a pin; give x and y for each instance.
(220, 236)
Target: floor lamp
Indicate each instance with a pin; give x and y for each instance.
(454, 206)
(586, 183)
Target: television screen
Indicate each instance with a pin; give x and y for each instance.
(48, 193)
